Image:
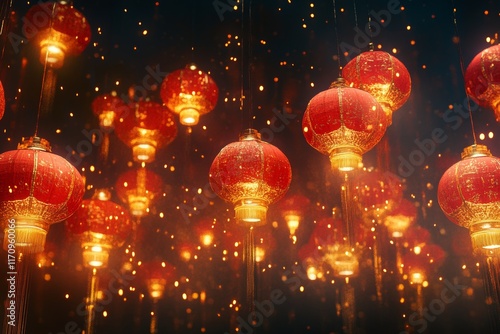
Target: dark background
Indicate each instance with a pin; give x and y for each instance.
(276, 45)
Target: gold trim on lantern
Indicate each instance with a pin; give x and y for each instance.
(475, 151)
(251, 212)
(189, 116)
(34, 143)
(52, 52)
(485, 236)
(250, 134)
(345, 159)
(29, 235)
(156, 287)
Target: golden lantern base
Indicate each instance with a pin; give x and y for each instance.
(485, 237)
(95, 255)
(345, 160)
(345, 265)
(156, 287)
(52, 53)
(28, 236)
(251, 212)
(144, 152)
(189, 116)
(138, 205)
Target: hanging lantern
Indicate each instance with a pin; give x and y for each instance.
(383, 76)
(401, 218)
(205, 229)
(2, 101)
(59, 30)
(37, 189)
(482, 79)
(343, 123)
(100, 226)
(293, 209)
(138, 188)
(311, 260)
(189, 93)
(377, 193)
(108, 109)
(251, 174)
(157, 274)
(148, 129)
(469, 195)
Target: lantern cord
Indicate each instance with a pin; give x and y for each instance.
(246, 62)
(355, 13)
(348, 311)
(377, 268)
(345, 198)
(250, 269)
(91, 302)
(153, 327)
(337, 36)
(462, 69)
(48, 81)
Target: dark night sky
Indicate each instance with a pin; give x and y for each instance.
(280, 40)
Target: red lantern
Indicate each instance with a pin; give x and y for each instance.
(343, 123)
(109, 108)
(381, 75)
(469, 195)
(157, 274)
(399, 219)
(190, 93)
(251, 174)
(2, 101)
(138, 188)
(148, 129)
(206, 229)
(482, 79)
(58, 29)
(377, 193)
(37, 189)
(293, 209)
(100, 226)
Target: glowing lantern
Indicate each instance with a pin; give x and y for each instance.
(293, 209)
(138, 188)
(343, 123)
(58, 29)
(311, 260)
(2, 101)
(157, 274)
(100, 225)
(399, 219)
(109, 108)
(381, 75)
(482, 79)
(469, 195)
(146, 130)
(37, 189)
(205, 230)
(251, 174)
(190, 93)
(377, 193)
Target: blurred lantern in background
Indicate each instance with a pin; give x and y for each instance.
(251, 174)
(108, 109)
(482, 79)
(37, 189)
(189, 93)
(376, 193)
(343, 123)
(469, 195)
(100, 225)
(401, 218)
(58, 29)
(138, 188)
(381, 75)
(205, 230)
(146, 129)
(293, 209)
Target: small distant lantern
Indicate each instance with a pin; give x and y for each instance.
(189, 93)
(293, 209)
(401, 218)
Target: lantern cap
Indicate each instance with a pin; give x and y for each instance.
(475, 151)
(250, 134)
(339, 83)
(34, 143)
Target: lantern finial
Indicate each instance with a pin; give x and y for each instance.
(34, 143)
(475, 151)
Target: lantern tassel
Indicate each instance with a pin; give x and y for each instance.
(250, 268)
(348, 307)
(48, 91)
(153, 328)
(377, 268)
(105, 147)
(345, 197)
(91, 302)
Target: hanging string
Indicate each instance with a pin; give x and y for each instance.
(335, 23)
(47, 77)
(242, 63)
(355, 14)
(462, 69)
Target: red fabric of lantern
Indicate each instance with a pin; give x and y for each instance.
(381, 75)
(147, 129)
(190, 93)
(37, 189)
(251, 174)
(59, 29)
(2, 101)
(482, 79)
(469, 195)
(343, 123)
